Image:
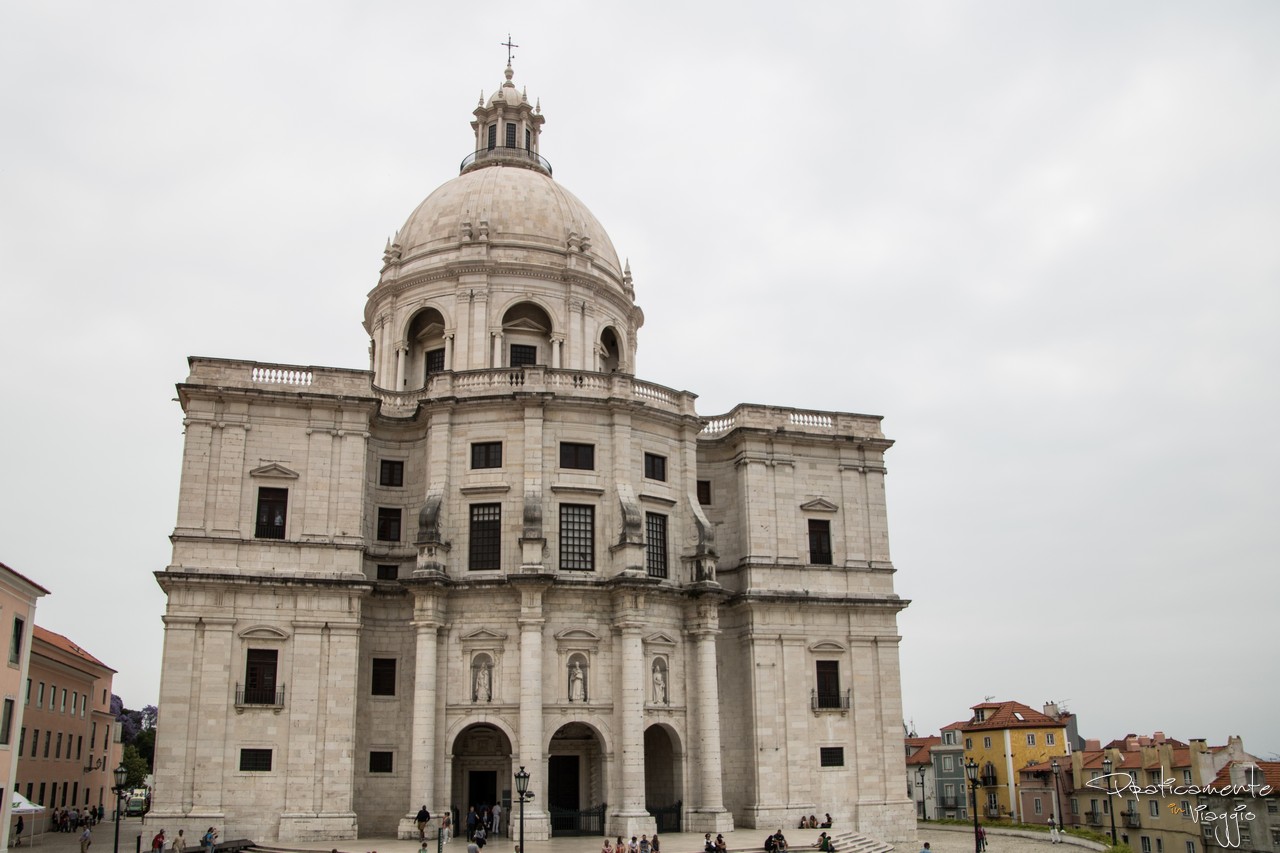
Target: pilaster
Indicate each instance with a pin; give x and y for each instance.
(709, 814)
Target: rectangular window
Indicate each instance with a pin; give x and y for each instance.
(831, 756)
(511, 134)
(968, 743)
(1146, 844)
(1185, 805)
(22, 740)
(493, 136)
(273, 506)
(40, 696)
(435, 361)
(655, 541)
(1159, 845)
(1031, 739)
(828, 683)
(64, 794)
(255, 760)
(260, 677)
(388, 571)
(391, 473)
(79, 746)
(579, 456)
(384, 677)
(380, 762)
(6, 722)
(1075, 805)
(63, 708)
(986, 743)
(1039, 808)
(819, 542)
(57, 748)
(1186, 777)
(389, 524)
(28, 700)
(1154, 807)
(485, 547)
(40, 799)
(523, 355)
(75, 791)
(15, 642)
(704, 492)
(528, 139)
(486, 454)
(1191, 845)
(655, 467)
(577, 535)
(948, 764)
(35, 742)
(1050, 739)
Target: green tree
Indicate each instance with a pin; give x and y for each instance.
(145, 743)
(136, 765)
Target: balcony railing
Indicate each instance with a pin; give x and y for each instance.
(503, 154)
(1131, 819)
(271, 697)
(950, 802)
(823, 700)
(1093, 818)
(993, 811)
(988, 780)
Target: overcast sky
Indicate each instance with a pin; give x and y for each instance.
(1039, 238)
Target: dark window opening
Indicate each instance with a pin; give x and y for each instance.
(255, 760)
(260, 677)
(577, 537)
(704, 492)
(485, 547)
(528, 139)
(819, 542)
(655, 467)
(486, 454)
(435, 361)
(380, 762)
(579, 456)
(655, 540)
(828, 672)
(511, 134)
(272, 507)
(388, 572)
(523, 355)
(389, 524)
(493, 136)
(384, 677)
(15, 643)
(831, 756)
(391, 473)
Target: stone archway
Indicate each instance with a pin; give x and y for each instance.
(481, 771)
(664, 777)
(576, 792)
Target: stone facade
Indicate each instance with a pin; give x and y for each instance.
(498, 548)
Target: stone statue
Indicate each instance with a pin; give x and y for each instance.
(484, 691)
(577, 684)
(659, 686)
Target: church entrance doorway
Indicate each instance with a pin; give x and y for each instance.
(663, 774)
(481, 757)
(575, 781)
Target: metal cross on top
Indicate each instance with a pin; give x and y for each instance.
(508, 45)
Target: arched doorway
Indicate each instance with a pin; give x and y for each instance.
(576, 781)
(481, 772)
(610, 351)
(663, 777)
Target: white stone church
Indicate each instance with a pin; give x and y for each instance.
(498, 547)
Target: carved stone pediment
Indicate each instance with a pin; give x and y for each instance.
(274, 469)
(826, 647)
(659, 639)
(263, 632)
(819, 505)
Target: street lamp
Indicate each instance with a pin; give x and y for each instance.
(924, 811)
(1106, 769)
(971, 770)
(1057, 795)
(522, 791)
(121, 775)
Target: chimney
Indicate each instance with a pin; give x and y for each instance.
(1051, 709)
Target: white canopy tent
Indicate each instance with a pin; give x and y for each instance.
(20, 806)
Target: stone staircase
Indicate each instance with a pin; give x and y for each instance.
(855, 842)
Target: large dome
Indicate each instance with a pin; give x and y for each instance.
(520, 205)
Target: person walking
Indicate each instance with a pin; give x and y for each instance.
(179, 843)
(423, 818)
(497, 819)
(86, 839)
(210, 840)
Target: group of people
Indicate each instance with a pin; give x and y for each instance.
(483, 822)
(69, 820)
(645, 844)
(717, 846)
(776, 843)
(811, 822)
(825, 844)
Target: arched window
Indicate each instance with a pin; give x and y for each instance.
(526, 333)
(610, 351)
(426, 346)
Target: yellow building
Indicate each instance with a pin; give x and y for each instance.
(1005, 737)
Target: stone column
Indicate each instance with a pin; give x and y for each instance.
(629, 816)
(709, 815)
(402, 350)
(529, 750)
(208, 752)
(422, 762)
(180, 692)
(448, 352)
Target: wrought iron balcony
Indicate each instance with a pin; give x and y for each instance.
(503, 154)
(950, 802)
(1093, 818)
(269, 697)
(829, 700)
(993, 811)
(988, 780)
(1131, 819)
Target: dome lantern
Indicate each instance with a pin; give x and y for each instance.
(507, 128)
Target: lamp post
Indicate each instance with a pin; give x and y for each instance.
(121, 775)
(1106, 769)
(522, 792)
(1057, 795)
(971, 770)
(924, 811)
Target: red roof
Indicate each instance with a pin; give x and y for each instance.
(61, 642)
(1269, 774)
(921, 753)
(1009, 715)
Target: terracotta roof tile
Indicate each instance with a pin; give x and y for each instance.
(58, 641)
(1009, 715)
(921, 754)
(1269, 775)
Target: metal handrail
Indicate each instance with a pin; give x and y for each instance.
(503, 152)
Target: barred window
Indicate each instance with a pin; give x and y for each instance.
(523, 354)
(819, 542)
(486, 454)
(485, 549)
(577, 537)
(388, 524)
(434, 361)
(655, 540)
(272, 506)
(255, 760)
(384, 677)
(380, 762)
(580, 456)
(831, 756)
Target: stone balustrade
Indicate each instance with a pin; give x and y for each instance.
(781, 418)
